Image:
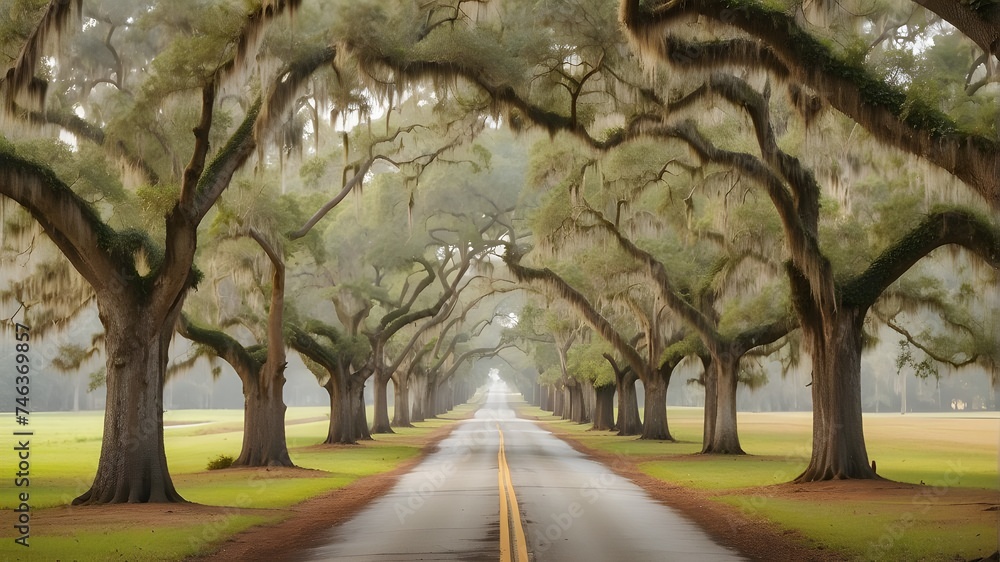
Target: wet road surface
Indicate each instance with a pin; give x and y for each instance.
(567, 508)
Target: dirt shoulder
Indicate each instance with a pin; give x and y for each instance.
(760, 538)
(305, 524)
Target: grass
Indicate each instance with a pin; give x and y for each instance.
(103, 542)
(955, 457)
(65, 448)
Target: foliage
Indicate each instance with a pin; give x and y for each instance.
(220, 462)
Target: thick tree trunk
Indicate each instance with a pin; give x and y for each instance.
(342, 413)
(838, 430)
(548, 398)
(724, 439)
(401, 404)
(133, 464)
(558, 402)
(381, 422)
(263, 425)
(655, 424)
(628, 422)
(430, 399)
(577, 404)
(417, 391)
(604, 408)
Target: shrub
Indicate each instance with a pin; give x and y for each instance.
(220, 462)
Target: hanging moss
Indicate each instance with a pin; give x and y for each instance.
(942, 227)
(244, 132)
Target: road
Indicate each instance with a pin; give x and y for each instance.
(559, 505)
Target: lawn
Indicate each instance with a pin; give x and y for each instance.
(951, 513)
(65, 448)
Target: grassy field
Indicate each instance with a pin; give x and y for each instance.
(952, 460)
(65, 448)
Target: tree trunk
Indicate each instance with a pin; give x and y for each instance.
(263, 423)
(838, 444)
(577, 404)
(548, 398)
(628, 422)
(133, 464)
(357, 387)
(711, 413)
(604, 408)
(430, 399)
(725, 439)
(418, 392)
(558, 402)
(342, 413)
(381, 423)
(655, 424)
(401, 404)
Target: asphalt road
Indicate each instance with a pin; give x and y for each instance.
(571, 508)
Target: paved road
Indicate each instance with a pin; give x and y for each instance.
(571, 508)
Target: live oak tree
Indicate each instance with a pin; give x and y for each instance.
(139, 284)
(831, 308)
(260, 366)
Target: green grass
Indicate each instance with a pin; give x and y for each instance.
(65, 448)
(879, 530)
(161, 543)
(944, 452)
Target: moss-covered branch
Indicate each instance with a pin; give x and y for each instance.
(72, 224)
(781, 47)
(245, 363)
(952, 227)
(579, 303)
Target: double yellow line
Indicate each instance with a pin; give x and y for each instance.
(509, 513)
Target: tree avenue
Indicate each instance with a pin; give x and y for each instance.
(679, 183)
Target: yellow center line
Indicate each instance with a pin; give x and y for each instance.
(509, 511)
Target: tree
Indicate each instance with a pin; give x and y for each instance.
(831, 308)
(340, 363)
(140, 287)
(261, 369)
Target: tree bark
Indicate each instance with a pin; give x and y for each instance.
(577, 405)
(655, 425)
(263, 426)
(133, 464)
(604, 408)
(838, 441)
(558, 402)
(401, 407)
(548, 398)
(711, 400)
(356, 385)
(725, 438)
(341, 413)
(417, 391)
(628, 422)
(381, 378)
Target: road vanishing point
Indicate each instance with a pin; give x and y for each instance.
(503, 488)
